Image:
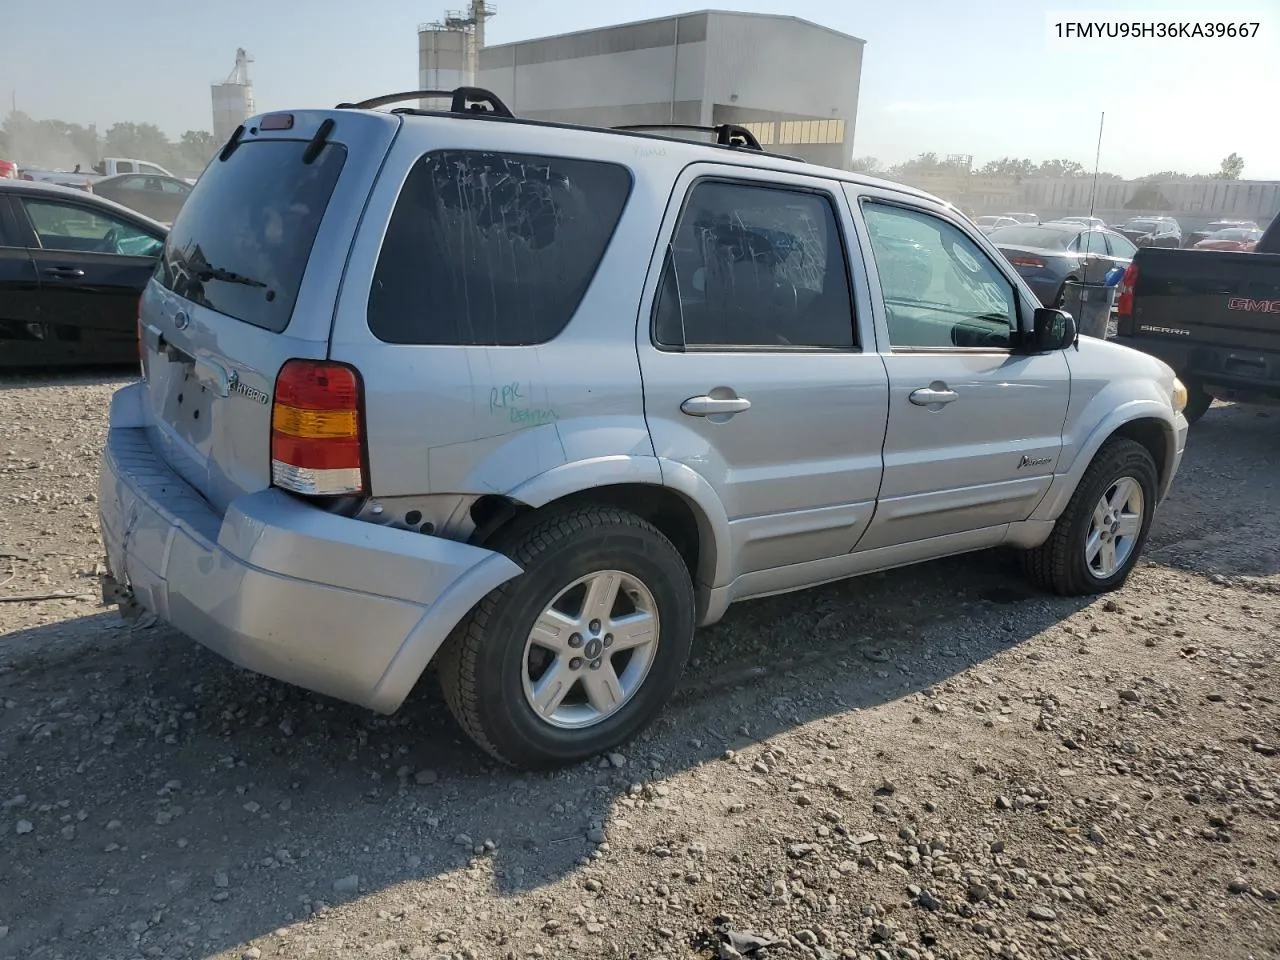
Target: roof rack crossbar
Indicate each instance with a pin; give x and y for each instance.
(727, 134)
(462, 100)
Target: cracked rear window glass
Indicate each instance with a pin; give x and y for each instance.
(487, 249)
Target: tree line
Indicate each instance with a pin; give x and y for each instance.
(56, 144)
(1013, 168)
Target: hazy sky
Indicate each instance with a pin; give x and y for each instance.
(979, 77)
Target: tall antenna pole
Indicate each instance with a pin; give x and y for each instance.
(1097, 160)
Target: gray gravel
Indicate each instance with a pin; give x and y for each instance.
(932, 763)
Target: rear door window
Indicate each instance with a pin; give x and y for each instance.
(70, 228)
(242, 240)
(492, 249)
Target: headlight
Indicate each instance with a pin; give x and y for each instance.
(1179, 395)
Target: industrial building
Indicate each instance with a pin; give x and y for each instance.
(794, 84)
(232, 99)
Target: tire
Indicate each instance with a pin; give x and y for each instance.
(1060, 298)
(491, 665)
(1060, 564)
(1198, 402)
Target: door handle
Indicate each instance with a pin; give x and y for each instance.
(68, 272)
(714, 406)
(928, 396)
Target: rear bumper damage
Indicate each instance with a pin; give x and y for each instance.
(339, 606)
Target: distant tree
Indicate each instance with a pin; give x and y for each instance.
(1007, 167)
(194, 149)
(142, 141)
(868, 165)
(1173, 176)
(1232, 167)
(1061, 169)
(923, 163)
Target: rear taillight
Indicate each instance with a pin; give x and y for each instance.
(1124, 304)
(317, 447)
(1035, 262)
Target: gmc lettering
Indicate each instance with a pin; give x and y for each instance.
(1253, 306)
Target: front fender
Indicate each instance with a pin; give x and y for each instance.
(1146, 408)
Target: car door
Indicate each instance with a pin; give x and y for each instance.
(761, 380)
(19, 294)
(1120, 249)
(172, 195)
(92, 265)
(975, 428)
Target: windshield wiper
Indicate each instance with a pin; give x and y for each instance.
(226, 276)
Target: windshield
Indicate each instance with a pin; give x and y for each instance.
(243, 237)
(1032, 237)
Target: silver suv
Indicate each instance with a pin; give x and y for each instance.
(528, 402)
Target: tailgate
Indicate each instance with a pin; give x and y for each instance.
(248, 280)
(1211, 297)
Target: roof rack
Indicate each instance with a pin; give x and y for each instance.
(727, 134)
(463, 100)
(479, 102)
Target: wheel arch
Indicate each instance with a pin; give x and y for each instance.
(1146, 422)
(687, 513)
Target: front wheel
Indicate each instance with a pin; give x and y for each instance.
(1097, 541)
(579, 652)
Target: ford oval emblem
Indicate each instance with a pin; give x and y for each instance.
(181, 321)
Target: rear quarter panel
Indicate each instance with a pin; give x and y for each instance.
(486, 419)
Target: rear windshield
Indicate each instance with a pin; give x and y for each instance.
(493, 249)
(243, 237)
(1143, 225)
(1032, 237)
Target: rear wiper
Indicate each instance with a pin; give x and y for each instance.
(226, 276)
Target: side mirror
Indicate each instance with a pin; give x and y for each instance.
(1052, 330)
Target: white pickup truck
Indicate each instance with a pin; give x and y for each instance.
(106, 167)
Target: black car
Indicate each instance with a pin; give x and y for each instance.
(1153, 232)
(72, 267)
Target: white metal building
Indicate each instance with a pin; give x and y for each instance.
(794, 84)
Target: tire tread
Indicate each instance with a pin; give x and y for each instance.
(1050, 565)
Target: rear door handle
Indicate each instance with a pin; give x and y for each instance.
(714, 406)
(928, 396)
(69, 273)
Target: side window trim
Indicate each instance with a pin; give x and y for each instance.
(827, 193)
(863, 199)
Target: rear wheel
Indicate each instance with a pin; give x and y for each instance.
(1097, 541)
(579, 652)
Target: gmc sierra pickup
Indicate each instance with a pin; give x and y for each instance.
(1212, 315)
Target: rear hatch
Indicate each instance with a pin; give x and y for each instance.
(1218, 299)
(248, 280)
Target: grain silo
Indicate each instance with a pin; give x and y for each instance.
(233, 99)
(448, 49)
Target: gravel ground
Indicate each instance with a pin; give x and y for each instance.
(930, 763)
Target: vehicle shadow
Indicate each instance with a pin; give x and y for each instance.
(180, 806)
